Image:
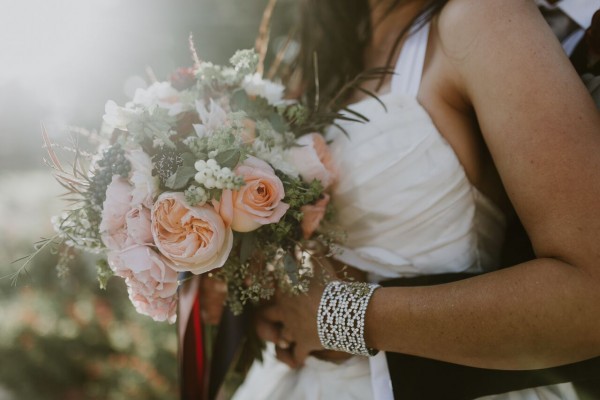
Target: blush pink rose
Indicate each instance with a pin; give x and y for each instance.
(313, 215)
(312, 159)
(138, 226)
(151, 281)
(135, 230)
(195, 238)
(258, 202)
(114, 211)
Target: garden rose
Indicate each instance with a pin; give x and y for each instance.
(312, 159)
(258, 202)
(114, 210)
(137, 223)
(183, 78)
(151, 281)
(313, 215)
(195, 238)
(135, 230)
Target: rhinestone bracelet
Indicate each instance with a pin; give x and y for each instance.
(341, 317)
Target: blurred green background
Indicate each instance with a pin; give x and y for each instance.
(60, 61)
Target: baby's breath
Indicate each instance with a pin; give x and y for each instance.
(196, 196)
(244, 61)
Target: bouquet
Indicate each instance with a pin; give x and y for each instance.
(210, 171)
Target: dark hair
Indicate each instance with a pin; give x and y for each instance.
(337, 33)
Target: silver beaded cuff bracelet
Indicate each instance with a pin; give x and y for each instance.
(341, 317)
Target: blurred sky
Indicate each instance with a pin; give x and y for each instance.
(61, 60)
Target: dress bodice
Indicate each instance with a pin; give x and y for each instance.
(402, 197)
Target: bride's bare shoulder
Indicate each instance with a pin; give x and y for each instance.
(463, 23)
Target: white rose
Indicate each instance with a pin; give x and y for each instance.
(116, 117)
(160, 94)
(145, 186)
(255, 85)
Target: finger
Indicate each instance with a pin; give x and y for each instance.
(300, 353)
(286, 334)
(213, 294)
(267, 331)
(213, 285)
(211, 314)
(286, 357)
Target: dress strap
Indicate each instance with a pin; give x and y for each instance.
(409, 67)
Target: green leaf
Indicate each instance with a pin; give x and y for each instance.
(278, 123)
(240, 100)
(215, 194)
(373, 95)
(104, 273)
(359, 115)
(188, 159)
(180, 178)
(247, 246)
(228, 158)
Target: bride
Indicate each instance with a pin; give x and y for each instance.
(484, 120)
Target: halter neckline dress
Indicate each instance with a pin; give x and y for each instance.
(408, 209)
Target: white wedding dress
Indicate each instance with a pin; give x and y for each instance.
(408, 208)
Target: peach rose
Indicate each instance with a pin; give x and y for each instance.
(258, 202)
(313, 215)
(114, 210)
(194, 238)
(151, 281)
(312, 159)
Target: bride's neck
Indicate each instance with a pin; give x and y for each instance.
(388, 19)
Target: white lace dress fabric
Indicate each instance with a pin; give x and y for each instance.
(408, 209)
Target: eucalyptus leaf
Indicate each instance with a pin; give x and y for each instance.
(240, 100)
(228, 158)
(201, 156)
(180, 178)
(278, 123)
(188, 159)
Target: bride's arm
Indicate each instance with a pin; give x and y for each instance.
(543, 132)
(544, 135)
